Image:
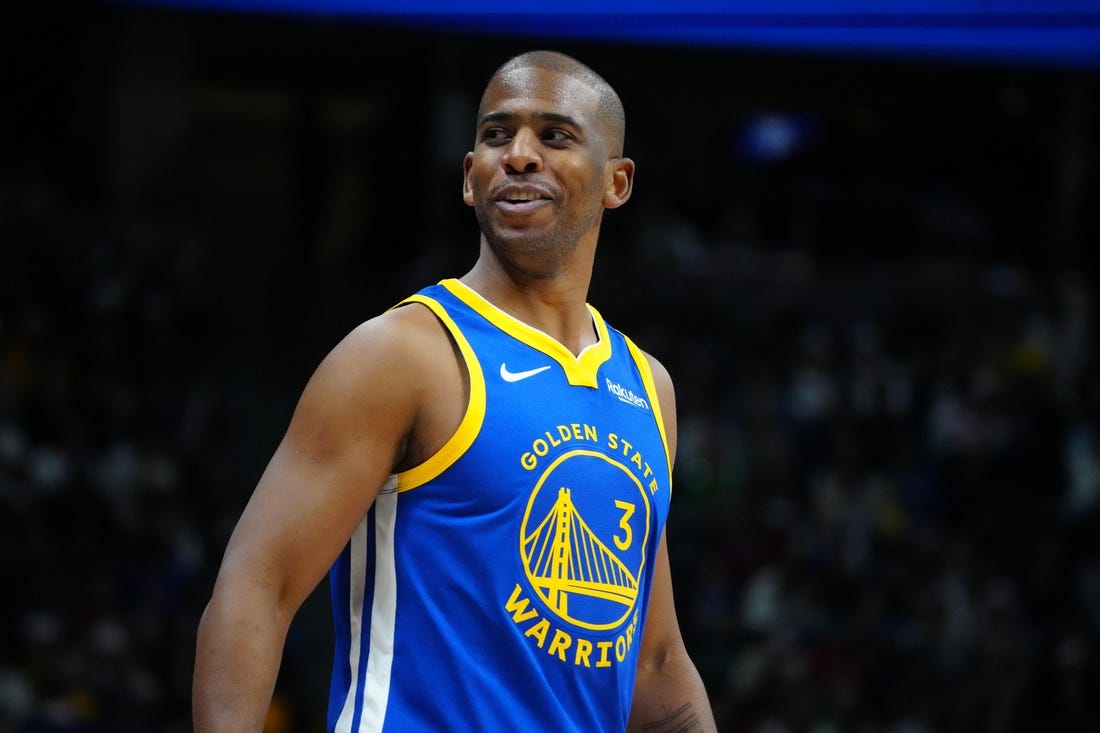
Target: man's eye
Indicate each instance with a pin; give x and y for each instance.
(557, 136)
(495, 135)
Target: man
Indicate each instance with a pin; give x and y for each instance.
(484, 472)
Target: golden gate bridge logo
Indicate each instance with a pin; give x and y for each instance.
(566, 559)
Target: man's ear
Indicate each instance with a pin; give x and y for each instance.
(467, 190)
(620, 183)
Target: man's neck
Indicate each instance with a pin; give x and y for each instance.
(555, 305)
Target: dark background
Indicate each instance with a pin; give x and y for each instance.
(886, 513)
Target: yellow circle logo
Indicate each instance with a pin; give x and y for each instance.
(583, 539)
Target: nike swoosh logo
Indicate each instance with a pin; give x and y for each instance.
(508, 376)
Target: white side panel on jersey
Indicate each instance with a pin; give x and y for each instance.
(376, 679)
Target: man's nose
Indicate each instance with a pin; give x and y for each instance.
(523, 155)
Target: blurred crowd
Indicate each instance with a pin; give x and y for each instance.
(110, 472)
(887, 512)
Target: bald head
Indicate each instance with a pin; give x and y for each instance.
(612, 118)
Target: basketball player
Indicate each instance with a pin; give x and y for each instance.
(484, 472)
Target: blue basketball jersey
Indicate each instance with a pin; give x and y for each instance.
(502, 585)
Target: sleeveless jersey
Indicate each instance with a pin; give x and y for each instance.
(502, 585)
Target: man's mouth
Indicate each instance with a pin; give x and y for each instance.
(521, 197)
(525, 200)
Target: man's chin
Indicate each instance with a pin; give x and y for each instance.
(521, 239)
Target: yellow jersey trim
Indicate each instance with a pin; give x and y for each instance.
(651, 387)
(580, 370)
(471, 423)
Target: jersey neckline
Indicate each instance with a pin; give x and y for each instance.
(580, 369)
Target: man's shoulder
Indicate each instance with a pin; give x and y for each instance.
(385, 360)
(400, 331)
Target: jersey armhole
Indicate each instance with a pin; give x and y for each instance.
(473, 418)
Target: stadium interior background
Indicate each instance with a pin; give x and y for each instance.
(873, 279)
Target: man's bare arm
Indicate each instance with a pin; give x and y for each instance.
(347, 433)
(669, 696)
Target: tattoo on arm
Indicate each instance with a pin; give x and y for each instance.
(681, 720)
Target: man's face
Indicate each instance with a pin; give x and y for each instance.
(537, 174)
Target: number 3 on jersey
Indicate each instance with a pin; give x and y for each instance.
(628, 536)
